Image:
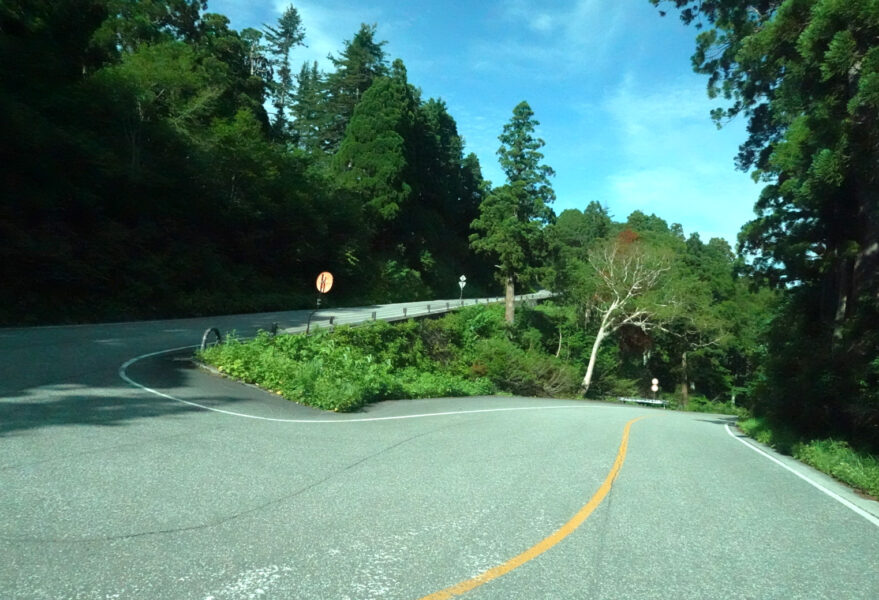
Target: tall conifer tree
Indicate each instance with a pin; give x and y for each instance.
(280, 40)
(510, 225)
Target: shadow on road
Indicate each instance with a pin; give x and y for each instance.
(721, 420)
(98, 400)
(73, 408)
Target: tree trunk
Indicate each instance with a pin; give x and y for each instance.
(509, 297)
(685, 383)
(587, 380)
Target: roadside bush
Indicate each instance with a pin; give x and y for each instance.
(701, 404)
(830, 456)
(466, 353)
(837, 458)
(420, 384)
(523, 372)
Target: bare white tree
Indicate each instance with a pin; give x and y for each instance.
(625, 275)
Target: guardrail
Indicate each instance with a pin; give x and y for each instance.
(650, 401)
(410, 310)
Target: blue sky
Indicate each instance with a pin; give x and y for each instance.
(625, 120)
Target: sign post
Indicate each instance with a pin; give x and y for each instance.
(462, 281)
(324, 284)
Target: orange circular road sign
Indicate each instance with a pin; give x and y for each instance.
(324, 282)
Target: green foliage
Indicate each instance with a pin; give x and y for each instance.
(701, 404)
(359, 63)
(372, 159)
(524, 372)
(834, 457)
(780, 438)
(348, 368)
(329, 373)
(837, 458)
(804, 74)
(465, 353)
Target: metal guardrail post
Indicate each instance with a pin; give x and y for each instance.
(428, 308)
(373, 315)
(404, 311)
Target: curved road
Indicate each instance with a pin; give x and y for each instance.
(175, 484)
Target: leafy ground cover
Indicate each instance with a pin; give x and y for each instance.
(466, 353)
(834, 457)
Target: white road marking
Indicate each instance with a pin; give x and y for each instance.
(874, 520)
(124, 375)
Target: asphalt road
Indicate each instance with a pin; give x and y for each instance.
(192, 486)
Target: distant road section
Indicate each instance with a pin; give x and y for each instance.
(405, 310)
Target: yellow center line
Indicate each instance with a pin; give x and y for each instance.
(548, 542)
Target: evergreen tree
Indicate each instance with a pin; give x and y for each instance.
(359, 63)
(309, 109)
(131, 24)
(510, 225)
(280, 40)
(257, 63)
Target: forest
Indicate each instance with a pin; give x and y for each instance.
(157, 163)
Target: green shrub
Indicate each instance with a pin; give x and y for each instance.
(701, 404)
(421, 384)
(523, 372)
(830, 456)
(837, 458)
(468, 352)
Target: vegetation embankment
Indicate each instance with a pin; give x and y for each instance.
(834, 457)
(465, 353)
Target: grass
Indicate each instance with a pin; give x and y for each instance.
(834, 457)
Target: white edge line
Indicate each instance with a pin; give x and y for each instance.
(124, 375)
(874, 520)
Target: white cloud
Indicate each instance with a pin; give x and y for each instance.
(674, 117)
(677, 164)
(543, 23)
(553, 39)
(713, 202)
